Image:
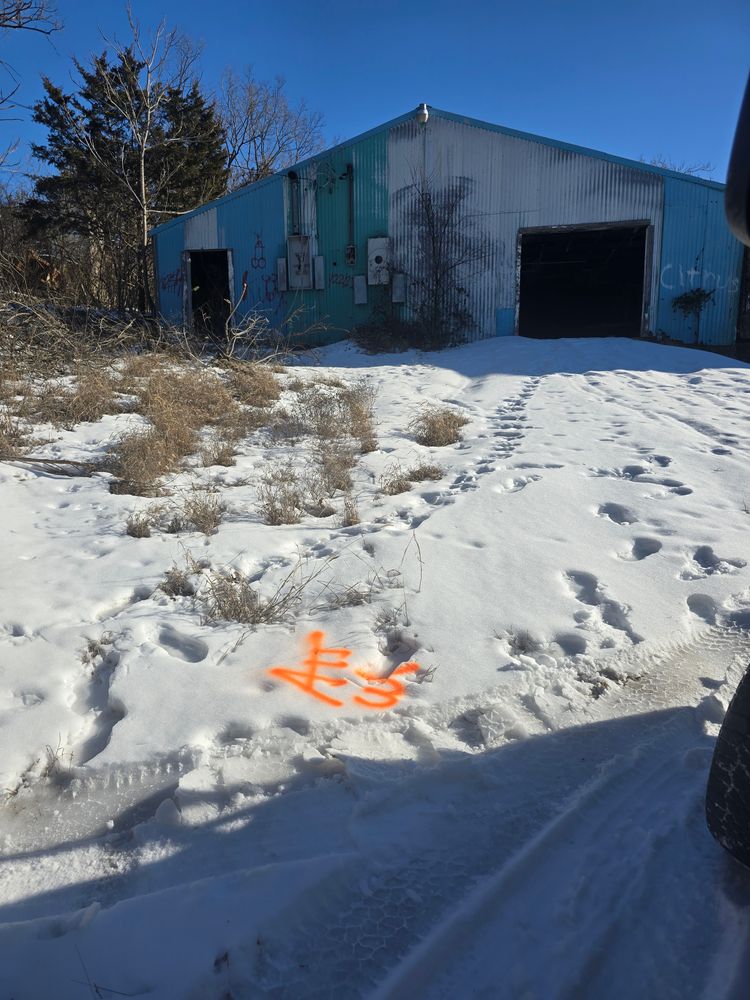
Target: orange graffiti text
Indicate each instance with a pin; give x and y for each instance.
(377, 693)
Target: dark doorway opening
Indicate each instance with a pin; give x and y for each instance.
(582, 281)
(210, 302)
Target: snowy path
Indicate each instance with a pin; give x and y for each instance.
(577, 585)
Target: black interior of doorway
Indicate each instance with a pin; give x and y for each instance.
(209, 279)
(582, 282)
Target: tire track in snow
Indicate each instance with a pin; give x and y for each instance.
(503, 817)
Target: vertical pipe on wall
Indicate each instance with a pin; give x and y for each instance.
(294, 198)
(350, 182)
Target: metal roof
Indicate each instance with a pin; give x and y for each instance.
(463, 120)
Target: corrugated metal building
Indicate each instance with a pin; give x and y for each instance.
(543, 239)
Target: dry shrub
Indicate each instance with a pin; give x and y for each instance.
(138, 526)
(194, 397)
(14, 438)
(93, 395)
(138, 366)
(239, 421)
(359, 403)
(437, 426)
(280, 495)
(333, 464)
(177, 583)
(255, 384)
(331, 381)
(177, 403)
(140, 458)
(394, 479)
(203, 511)
(350, 515)
(318, 413)
(424, 471)
(328, 411)
(231, 597)
(219, 450)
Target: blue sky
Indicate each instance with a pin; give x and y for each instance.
(626, 76)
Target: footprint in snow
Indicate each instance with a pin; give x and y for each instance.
(181, 646)
(617, 513)
(586, 589)
(705, 562)
(641, 548)
(515, 485)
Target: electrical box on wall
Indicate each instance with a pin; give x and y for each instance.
(379, 260)
(300, 263)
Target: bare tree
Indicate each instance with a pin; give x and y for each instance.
(21, 15)
(28, 15)
(681, 167)
(265, 133)
(165, 63)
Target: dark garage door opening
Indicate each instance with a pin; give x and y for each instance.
(209, 281)
(582, 282)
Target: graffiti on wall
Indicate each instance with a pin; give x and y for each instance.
(260, 286)
(258, 259)
(322, 669)
(341, 280)
(173, 281)
(676, 277)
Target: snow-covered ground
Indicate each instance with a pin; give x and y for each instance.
(517, 812)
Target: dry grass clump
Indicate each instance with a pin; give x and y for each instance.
(331, 381)
(196, 398)
(138, 526)
(177, 583)
(318, 413)
(92, 396)
(437, 426)
(334, 462)
(281, 495)
(231, 597)
(359, 403)
(239, 421)
(14, 438)
(255, 384)
(177, 404)
(330, 410)
(203, 511)
(140, 366)
(423, 471)
(394, 479)
(221, 448)
(350, 515)
(140, 458)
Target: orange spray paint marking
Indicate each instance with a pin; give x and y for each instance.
(307, 679)
(378, 693)
(395, 688)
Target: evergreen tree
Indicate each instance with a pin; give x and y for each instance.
(135, 144)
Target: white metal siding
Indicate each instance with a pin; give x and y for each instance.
(513, 184)
(201, 232)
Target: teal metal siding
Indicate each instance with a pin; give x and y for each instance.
(324, 215)
(698, 251)
(252, 227)
(170, 275)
